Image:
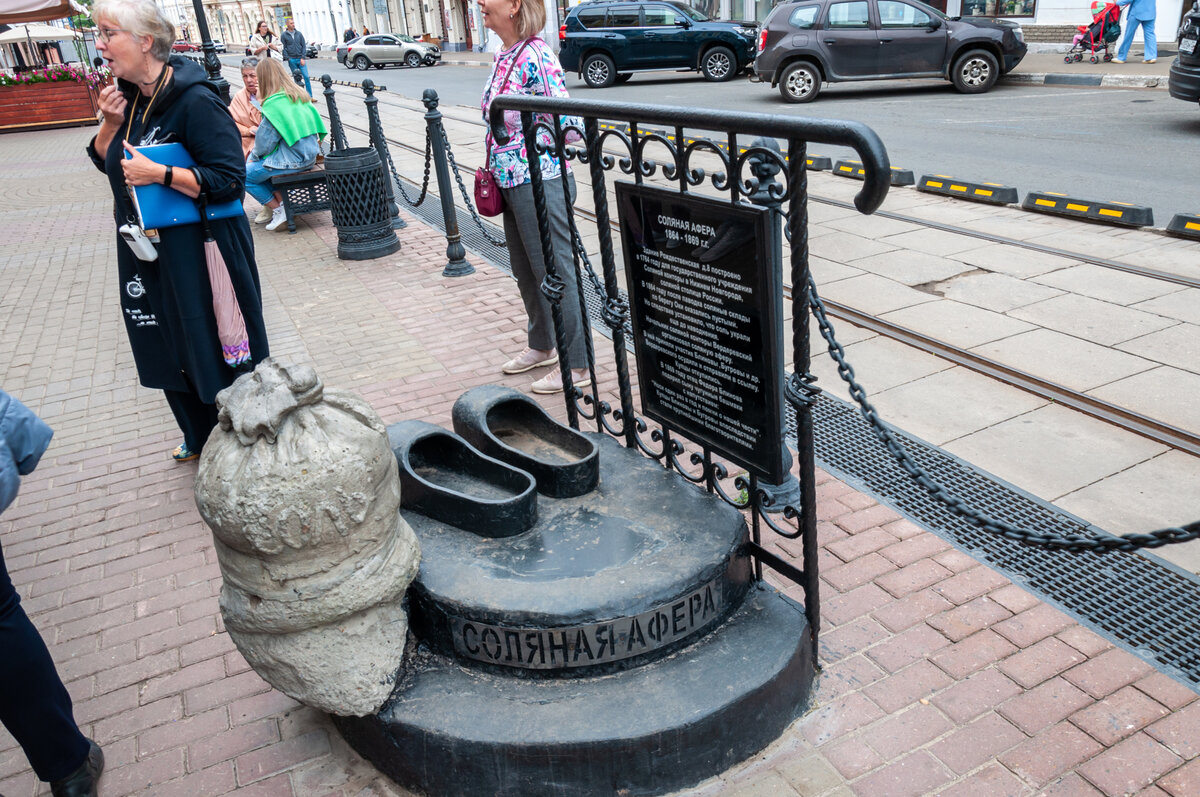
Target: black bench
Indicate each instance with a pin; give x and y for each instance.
(303, 192)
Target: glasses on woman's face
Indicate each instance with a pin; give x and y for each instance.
(104, 34)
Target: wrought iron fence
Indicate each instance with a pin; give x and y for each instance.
(742, 175)
(649, 126)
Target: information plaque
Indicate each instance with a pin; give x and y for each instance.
(706, 301)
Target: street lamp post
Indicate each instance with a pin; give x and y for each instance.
(212, 64)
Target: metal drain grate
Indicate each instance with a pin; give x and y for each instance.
(1150, 607)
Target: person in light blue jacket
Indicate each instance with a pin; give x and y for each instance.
(1141, 12)
(34, 704)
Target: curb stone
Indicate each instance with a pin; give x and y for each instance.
(1109, 81)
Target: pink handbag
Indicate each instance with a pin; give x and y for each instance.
(488, 199)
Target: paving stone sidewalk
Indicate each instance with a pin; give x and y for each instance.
(941, 677)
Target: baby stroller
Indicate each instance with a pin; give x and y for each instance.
(1095, 38)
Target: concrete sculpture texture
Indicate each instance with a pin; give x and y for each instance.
(301, 491)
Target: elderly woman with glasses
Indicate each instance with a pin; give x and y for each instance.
(167, 302)
(246, 106)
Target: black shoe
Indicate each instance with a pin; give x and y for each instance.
(82, 782)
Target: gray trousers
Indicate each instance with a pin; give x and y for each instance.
(525, 254)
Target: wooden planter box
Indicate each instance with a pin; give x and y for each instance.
(38, 106)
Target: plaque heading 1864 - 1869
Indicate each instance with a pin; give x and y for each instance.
(706, 299)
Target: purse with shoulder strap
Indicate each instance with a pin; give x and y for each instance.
(488, 199)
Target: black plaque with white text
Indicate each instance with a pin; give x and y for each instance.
(706, 301)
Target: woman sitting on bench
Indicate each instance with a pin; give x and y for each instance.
(288, 140)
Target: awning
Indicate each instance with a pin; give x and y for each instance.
(37, 33)
(13, 12)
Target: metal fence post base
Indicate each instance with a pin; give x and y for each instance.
(784, 494)
(458, 267)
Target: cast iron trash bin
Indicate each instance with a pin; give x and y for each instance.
(359, 205)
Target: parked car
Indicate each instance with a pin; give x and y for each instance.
(380, 49)
(1183, 83)
(313, 50)
(804, 43)
(605, 42)
(181, 46)
(341, 50)
(218, 45)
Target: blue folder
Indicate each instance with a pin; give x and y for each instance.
(157, 206)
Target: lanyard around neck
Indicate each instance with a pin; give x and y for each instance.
(162, 81)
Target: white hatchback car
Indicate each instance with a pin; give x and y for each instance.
(380, 49)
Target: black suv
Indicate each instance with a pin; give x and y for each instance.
(806, 42)
(606, 41)
(1184, 81)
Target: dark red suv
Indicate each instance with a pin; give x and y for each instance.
(805, 43)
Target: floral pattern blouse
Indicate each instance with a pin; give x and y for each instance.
(538, 73)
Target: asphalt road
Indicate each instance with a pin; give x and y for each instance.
(1129, 145)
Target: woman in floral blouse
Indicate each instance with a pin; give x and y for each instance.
(526, 65)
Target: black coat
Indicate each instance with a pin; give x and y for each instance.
(167, 303)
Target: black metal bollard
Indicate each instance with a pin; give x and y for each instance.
(335, 118)
(380, 145)
(456, 253)
(298, 76)
(764, 169)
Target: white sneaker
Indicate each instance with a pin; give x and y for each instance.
(263, 216)
(278, 219)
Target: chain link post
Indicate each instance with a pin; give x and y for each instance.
(787, 492)
(456, 253)
(380, 145)
(335, 119)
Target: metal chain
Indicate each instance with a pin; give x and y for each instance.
(424, 182)
(467, 201)
(1062, 542)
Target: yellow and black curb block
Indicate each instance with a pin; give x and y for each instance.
(1123, 214)
(1185, 225)
(855, 170)
(991, 193)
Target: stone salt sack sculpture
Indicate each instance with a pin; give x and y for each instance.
(301, 491)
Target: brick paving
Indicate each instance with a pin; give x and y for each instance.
(941, 677)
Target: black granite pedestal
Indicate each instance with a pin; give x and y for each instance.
(619, 645)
